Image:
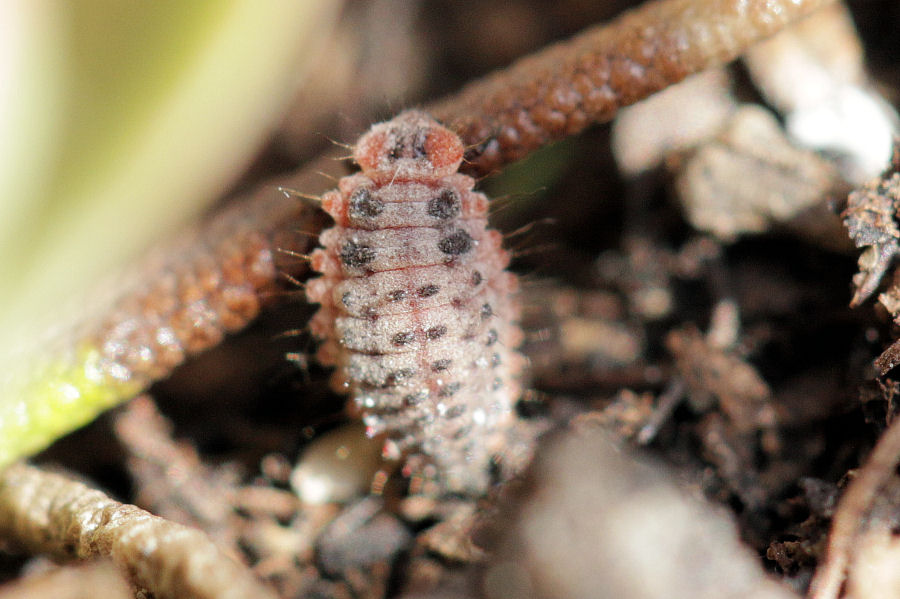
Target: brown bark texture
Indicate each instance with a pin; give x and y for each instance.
(51, 514)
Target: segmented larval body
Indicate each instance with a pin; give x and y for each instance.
(417, 310)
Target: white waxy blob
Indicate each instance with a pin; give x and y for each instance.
(676, 118)
(854, 122)
(337, 466)
(814, 74)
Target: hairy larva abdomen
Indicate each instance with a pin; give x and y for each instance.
(417, 310)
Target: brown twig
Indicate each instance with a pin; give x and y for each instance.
(48, 513)
(212, 281)
(850, 511)
(94, 579)
(170, 479)
(566, 87)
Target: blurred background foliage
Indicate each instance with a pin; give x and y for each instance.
(120, 119)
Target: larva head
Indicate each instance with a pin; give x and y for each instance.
(411, 146)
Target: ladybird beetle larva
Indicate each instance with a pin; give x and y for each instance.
(417, 314)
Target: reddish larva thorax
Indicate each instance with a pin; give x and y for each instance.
(417, 310)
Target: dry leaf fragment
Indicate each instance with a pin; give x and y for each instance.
(870, 218)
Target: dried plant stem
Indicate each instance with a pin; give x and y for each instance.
(561, 90)
(854, 503)
(93, 579)
(52, 514)
(214, 280)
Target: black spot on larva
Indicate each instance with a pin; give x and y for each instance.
(371, 314)
(486, 311)
(403, 338)
(409, 146)
(427, 290)
(355, 254)
(492, 337)
(436, 332)
(418, 144)
(495, 360)
(456, 302)
(363, 204)
(497, 384)
(444, 205)
(449, 390)
(442, 364)
(397, 295)
(456, 411)
(345, 299)
(398, 376)
(414, 399)
(462, 432)
(476, 278)
(457, 243)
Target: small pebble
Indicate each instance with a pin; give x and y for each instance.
(337, 466)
